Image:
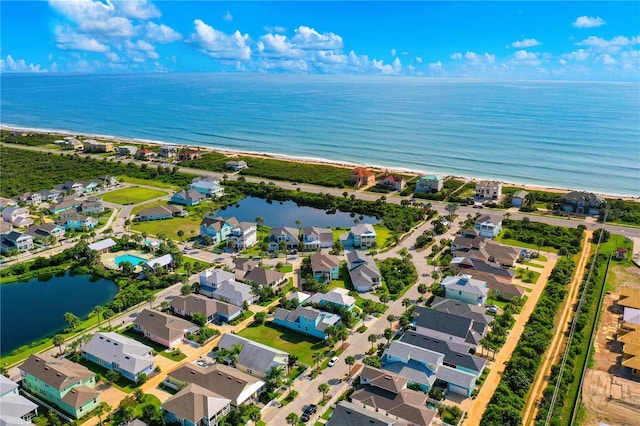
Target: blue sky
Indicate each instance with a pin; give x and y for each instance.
(496, 40)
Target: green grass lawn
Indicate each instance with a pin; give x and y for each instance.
(517, 243)
(176, 356)
(527, 276)
(285, 340)
(383, 235)
(132, 195)
(125, 385)
(170, 226)
(533, 264)
(148, 182)
(286, 268)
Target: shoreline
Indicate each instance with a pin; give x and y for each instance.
(306, 160)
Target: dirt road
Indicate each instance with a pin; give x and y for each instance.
(558, 343)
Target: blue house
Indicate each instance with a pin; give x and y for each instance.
(325, 267)
(207, 187)
(186, 197)
(360, 236)
(217, 228)
(306, 320)
(80, 222)
(466, 289)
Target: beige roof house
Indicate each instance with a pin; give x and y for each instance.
(162, 328)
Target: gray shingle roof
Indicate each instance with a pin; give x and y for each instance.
(442, 321)
(323, 262)
(129, 354)
(461, 309)
(265, 277)
(254, 356)
(454, 354)
(162, 325)
(349, 414)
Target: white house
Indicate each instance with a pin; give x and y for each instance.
(15, 409)
(466, 289)
(243, 235)
(488, 225)
(116, 352)
(488, 190)
(430, 183)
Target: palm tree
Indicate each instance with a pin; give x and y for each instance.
(292, 419)
(259, 221)
(373, 338)
(391, 318)
(180, 234)
(422, 289)
(58, 340)
(150, 298)
(324, 389)
(98, 310)
(388, 334)
(317, 357)
(406, 302)
(384, 298)
(107, 314)
(451, 208)
(350, 360)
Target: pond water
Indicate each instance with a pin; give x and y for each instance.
(286, 213)
(34, 309)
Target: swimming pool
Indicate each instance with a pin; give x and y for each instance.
(134, 260)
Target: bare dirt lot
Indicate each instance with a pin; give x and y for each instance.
(608, 394)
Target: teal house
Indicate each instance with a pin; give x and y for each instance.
(306, 320)
(63, 383)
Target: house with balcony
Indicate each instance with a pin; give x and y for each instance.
(207, 187)
(325, 267)
(46, 230)
(236, 166)
(168, 151)
(29, 198)
(93, 205)
(430, 183)
(391, 181)
(488, 190)
(362, 235)
(488, 225)
(15, 409)
(217, 228)
(116, 352)
(187, 197)
(310, 321)
(212, 309)
(315, 238)
(210, 279)
(285, 234)
(127, 150)
(363, 271)
(582, 202)
(242, 236)
(17, 216)
(234, 293)
(360, 177)
(51, 195)
(63, 383)
(15, 240)
(466, 289)
(78, 222)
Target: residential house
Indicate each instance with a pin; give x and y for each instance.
(363, 271)
(168, 151)
(500, 289)
(306, 320)
(362, 177)
(337, 298)
(65, 205)
(449, 327)
(161, 328)
(298, 297)
(455, 356)
(488, 225)
(207, 187)
(92, 205)
(212, 309)
(466, 289)
(236, 166)
(15, 409)
(217, 228)
(325, 267)
(165, 261)
(145, 154)
(519, 198)
(89, 186)
(5, 227)
(362, 235)
(161, 213)
(265, 277)
(72, 143)
(255, 358)
(234, 293)
(228, 382)
(387, 394)
(621, 253)
(471, 265)
(51, 195)
(480, 319)
(103, 246)
(211, 279)
(630, 352)
(315, 238)
(116, 352)
(15, 240)
(488, 190)
(430, 183)
(582, 202)
(29, 198)
(7, 202)
(187, 197)
(350, 414)
(78, 222)
(195, 406)
(107, 181)
(424, 367)
(242, 236)
(67, 385)
(285, 234)
(127, 150)
(392, 181)
(245, 264)
(17, 216)
(189, 154)
(90, 145)
(46, 230)
(72, 187)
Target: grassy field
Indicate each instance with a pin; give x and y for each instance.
(132, 195)
(527, 275)
(170, 226)
(148, 182)
(285, 340)
(383, 235)
(517, 243)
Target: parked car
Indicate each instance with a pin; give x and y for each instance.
(493, 309)
(272, 183)
(333, 361)
(308, 412)
(294, 183)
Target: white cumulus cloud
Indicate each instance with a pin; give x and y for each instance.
(609, 46)
(67, 39)
(218, 44)
(435, 66)
(579, 55)
(136, 9)
(606, 59)
(161, 33)
(588, 22)
(17, 65)
(456, 55)
(277, 45)
(475, 58)
(418, 59)
(309, 38)
(522, 55)
(527, 42)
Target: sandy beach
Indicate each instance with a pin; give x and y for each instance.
(305, 160)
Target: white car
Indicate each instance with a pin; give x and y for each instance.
(333, 361)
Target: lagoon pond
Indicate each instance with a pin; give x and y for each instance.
(34, 309)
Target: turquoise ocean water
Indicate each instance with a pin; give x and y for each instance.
(562, 134)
